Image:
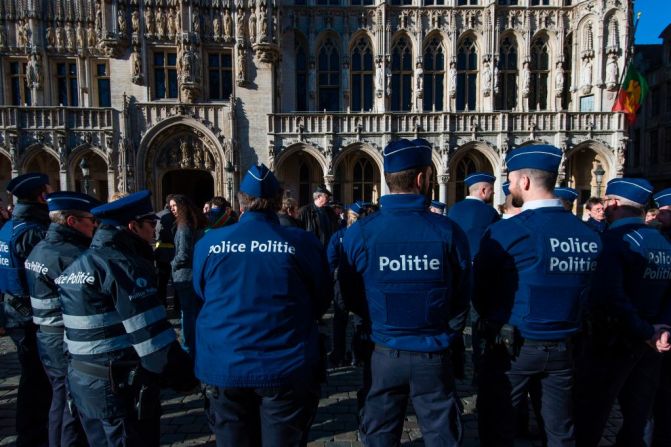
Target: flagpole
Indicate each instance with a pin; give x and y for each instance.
(629, 55)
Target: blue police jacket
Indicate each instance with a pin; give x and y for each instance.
(633, 277)
(334, 249)
(27, 227)
(473, 216)
(110, 308)
(264, 286)
(415, 267)
(533, 271)
(60, 247)
(597, 225)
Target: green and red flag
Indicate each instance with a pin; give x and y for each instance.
(632, 93)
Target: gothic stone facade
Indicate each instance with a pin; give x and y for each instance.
(184, 95)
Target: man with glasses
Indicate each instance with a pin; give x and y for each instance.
(597, 217)
(70, 233)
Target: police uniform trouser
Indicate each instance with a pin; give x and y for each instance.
(34, 393)
(64, 426)
(268, 417)
(661, 435)
(504, 382)
(629, 373)
(427, 379)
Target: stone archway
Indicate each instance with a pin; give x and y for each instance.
(40, 160)
(465, 161)
(300, 173)
(97, 183)
(357, 177)
(581, 164)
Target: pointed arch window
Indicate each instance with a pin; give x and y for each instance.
(434, 75)
(540, 72)
(465, 167)
(467, 75)
(401, 75)
(329, 76)
(363, 180)
(507, 98)
(362, 76)
(301, 77)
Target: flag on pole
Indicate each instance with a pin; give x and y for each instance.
(632, 93)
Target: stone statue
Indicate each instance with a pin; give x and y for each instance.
(387, 75)
(33, 72)
(612, 72)
(419, 77)
(216, 27)
(21, 36)
(379, 78)
(312, 79)
(81, 37)
(228, 24)
(188, 65)
(69, 36)
(559, 79)
(60, 37)
(136, 63)
(122, 27)
(452, 74)
(252, 27)
(149, 25)
(99, 20)
(264, 24)
(184, 150)
(242, 64)
(487, 79)
(497, 79)
(587, 72)
(160, 23)
(526, 80)
(91, 37)
(135, 21)
(242, 30)
(196, 21)
(51, 37)
(172, 23)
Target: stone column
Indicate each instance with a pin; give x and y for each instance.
(442, 185)
(328, 182)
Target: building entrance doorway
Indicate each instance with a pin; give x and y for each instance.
(197, 185)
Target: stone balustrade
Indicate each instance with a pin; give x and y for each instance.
(56, 118)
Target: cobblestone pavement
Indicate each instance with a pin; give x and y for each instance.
(184, 423)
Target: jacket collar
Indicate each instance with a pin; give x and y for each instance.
(31, 211)
(122, 240)
(626, 221)
(63, 233)
(403, 201)
(266, 216)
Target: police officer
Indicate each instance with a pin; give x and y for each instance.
(630, 307)
(415, 268)
(567, 196)
(530, 276)
(437, 207)
(115, 327)
(264, 286)
(17, 238)
(507, 209)
(69, 234)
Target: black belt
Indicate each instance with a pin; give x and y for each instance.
(92, 369)
(52, 329)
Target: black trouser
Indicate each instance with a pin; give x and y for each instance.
(661, 435)
(33, 399)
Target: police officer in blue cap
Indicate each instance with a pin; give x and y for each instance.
(567, 196)
(264, 287)
(120, 343)
(530, 277)
(17, 238)
(630, 308)
(507, 208)
(437, 207)
(415, 268)
(70, 233)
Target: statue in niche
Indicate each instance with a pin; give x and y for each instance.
(345, 75)
(312, 79)
(172, 23)
(135, 21)
(91, 37)
(149, 21)
(587, 72)
(198, 156)
(51, 37)
(136, 63)
(452, 75)
(3, 36)
(208, 160)
(121, 21)
(99, 20)
(612, 72)
(21, 37)
(160, 23)
(242, 29)
(60, 37)
(559, 79)
(188, 65)
(34, 71)
(184, 151)
(526, 80)
(264, 24)
(228, 25)
(252, 27)
(497, 78)
(387, 75)
(81, 38)
(419, 77)
(196, 21)
(274, 28)
(70, 36)
(379, 78)
(216, 27)
(242, 64)
(487, 78)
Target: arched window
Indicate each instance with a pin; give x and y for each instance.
(362, 76)
(329, 77)
(401, 75)
(465, 167)
(304, 184)
(301, 77)
(507, 99)
(434, 75)
(467, 75)
(540, 71)
(568, 68)
(363, 180)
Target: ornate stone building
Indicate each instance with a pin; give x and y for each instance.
(184, 95)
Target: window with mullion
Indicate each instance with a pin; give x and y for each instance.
(363, 181)
(103, 84)
(165, 74)
(507, 98)
(568, 61)
(401, 75)
(467, 75)
(434, 75)
(220, 75)
(20, 92)
(540, 72)
(301, 77)
(329, 77)
(66, 83)
(362, 76)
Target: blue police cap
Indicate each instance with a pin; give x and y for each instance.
(506, 188)
(23, 185)
(438, 204)
(478, 177)
(260, 182)
(66, 200)
(357, 207)
(134, 206)
(566, 193)
(543, 157)
(663, 197)
(635, 189)
(405, 154)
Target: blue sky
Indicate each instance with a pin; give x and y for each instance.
(656, 16)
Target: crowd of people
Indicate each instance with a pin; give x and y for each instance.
(567, 315)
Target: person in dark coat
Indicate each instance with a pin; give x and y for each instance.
(318, 218)
(288, 215)
(164, 250)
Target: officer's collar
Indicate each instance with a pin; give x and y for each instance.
(408, 201)
(475, 198)
(64, 232)
(268, 216)
(626, 221)
(31, 211)
(542, 203)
